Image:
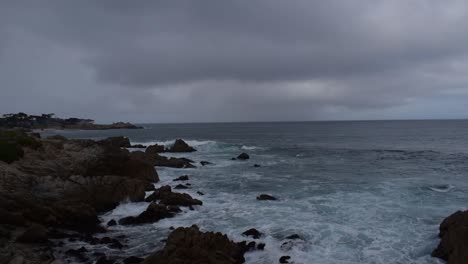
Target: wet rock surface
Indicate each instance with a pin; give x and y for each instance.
(190, 245)
(165, 196)
(266, 197)
(453, 233)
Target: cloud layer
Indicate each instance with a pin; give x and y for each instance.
(182, 61)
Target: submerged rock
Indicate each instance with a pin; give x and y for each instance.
(253, 233)
(180, 146)
(181, 186)
(190, 245)
(204, 163)
(293, 237)
(243, 156)
(263, 197)
(182, 178)
(453, 246)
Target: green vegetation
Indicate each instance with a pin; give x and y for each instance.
(12, 143)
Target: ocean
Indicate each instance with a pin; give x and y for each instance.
(356, 192)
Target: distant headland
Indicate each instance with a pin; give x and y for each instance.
(49, 121)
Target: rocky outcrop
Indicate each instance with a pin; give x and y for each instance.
(172, 162)
(190, 245)
(243, 156)
(182, 178)
(453, 233)
(165, 196)
(266, 197)
(253, 233)
(155, 149)
(153, 213)
(180, 146)
(64, 184)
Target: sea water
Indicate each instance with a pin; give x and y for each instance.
(356, 192)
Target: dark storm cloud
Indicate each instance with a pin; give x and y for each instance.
(236, 60)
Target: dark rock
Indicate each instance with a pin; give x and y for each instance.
(34, 234)
(138, 146)
(153, 213)
(167, 197)
(104, 260)
(172, 162)
(243, 156)
(263, 197)
(154, 149)
(253, 233)
(261, 246)
(180, 146)
(133, 260)
(150, 188)
(257, 166)
(111, 223)
(294, 236)
(284, 259)
(180, 186)
(200, 193)
(11, 218)
(182, 178)
(251, 246)
(203, 163)
(189, 245)
(121, 142)
(453, 246)
(233, 159)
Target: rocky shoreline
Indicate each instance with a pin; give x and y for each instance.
(53, 190)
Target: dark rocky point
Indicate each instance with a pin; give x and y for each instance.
(111, 223)
(181, 186)
(284, 259)
(261, 246)
(180, 146)
(167, 197)
(453, 233)
(293, 237)
(182, 178)
(190, 245)
(153, 213)
(243, 156)
(253, 233)
(257, 166)
(204, 163)
(263, 197)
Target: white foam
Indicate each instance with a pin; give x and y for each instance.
(248, 147)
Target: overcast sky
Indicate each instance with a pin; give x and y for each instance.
(244, 60)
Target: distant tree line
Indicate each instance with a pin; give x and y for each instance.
(23, 120)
